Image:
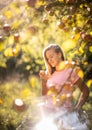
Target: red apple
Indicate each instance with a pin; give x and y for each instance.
(48, 7)
(60, 24)
(65, 29)
(72, 9)
(85, 36)
(73, 37)
(76, 29)
(69, 17)
(19, 105)
(31, 2)
(45, 20)
(1, 38)
(16, 37)
(6, 27)
(70, 1)
(51, 13)
(32, 29)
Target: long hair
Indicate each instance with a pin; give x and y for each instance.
(57, 49)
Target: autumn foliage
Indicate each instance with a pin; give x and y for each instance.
(26, 27)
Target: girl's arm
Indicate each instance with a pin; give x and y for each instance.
(43, 77)
(44, 87)
(84, 93)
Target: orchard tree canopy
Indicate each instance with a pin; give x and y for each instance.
(26, 27)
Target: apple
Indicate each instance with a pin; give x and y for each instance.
(69, 17)
(31, 2)
(51, 13)
(1, 38)
(65, 29)
(73, 37)
(48, 7)
(32, 29)
(16, 37)
(85, 36)
(45, 20)
(76, 29)
(6, 27)
(60, 24)
(70, 1)
(19, 105)
(72, 9)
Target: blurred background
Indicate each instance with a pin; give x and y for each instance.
(26, 27)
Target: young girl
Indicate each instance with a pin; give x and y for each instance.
(59, 81)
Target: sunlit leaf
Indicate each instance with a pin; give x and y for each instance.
(68, 44)
(8, 52)
(28, 67)
(81, 50)
(8, 14)
(25, 92)
(81, 6)
(76, 37)
(81, 73)
(1, 101)
(89, 83)
(11, 40)
(34, 82)
(78, 16)
(16, 24)
(1, 46)
(85, 5)
(85, 63)
(90, 48)
(91, 33)
(40, 3)
(15, 8)
(79, 23)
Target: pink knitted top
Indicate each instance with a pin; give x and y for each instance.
(59, 78)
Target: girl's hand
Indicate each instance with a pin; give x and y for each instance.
(71, 109)
(43, 75)
(78, 108)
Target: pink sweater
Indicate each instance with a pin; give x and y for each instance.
(60, 78)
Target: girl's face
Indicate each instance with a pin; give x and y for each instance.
(53, 58)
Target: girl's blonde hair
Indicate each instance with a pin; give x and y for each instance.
(57, 49)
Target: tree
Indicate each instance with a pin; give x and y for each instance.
(26, 27)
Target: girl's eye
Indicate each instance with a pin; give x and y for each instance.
(51, 56)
